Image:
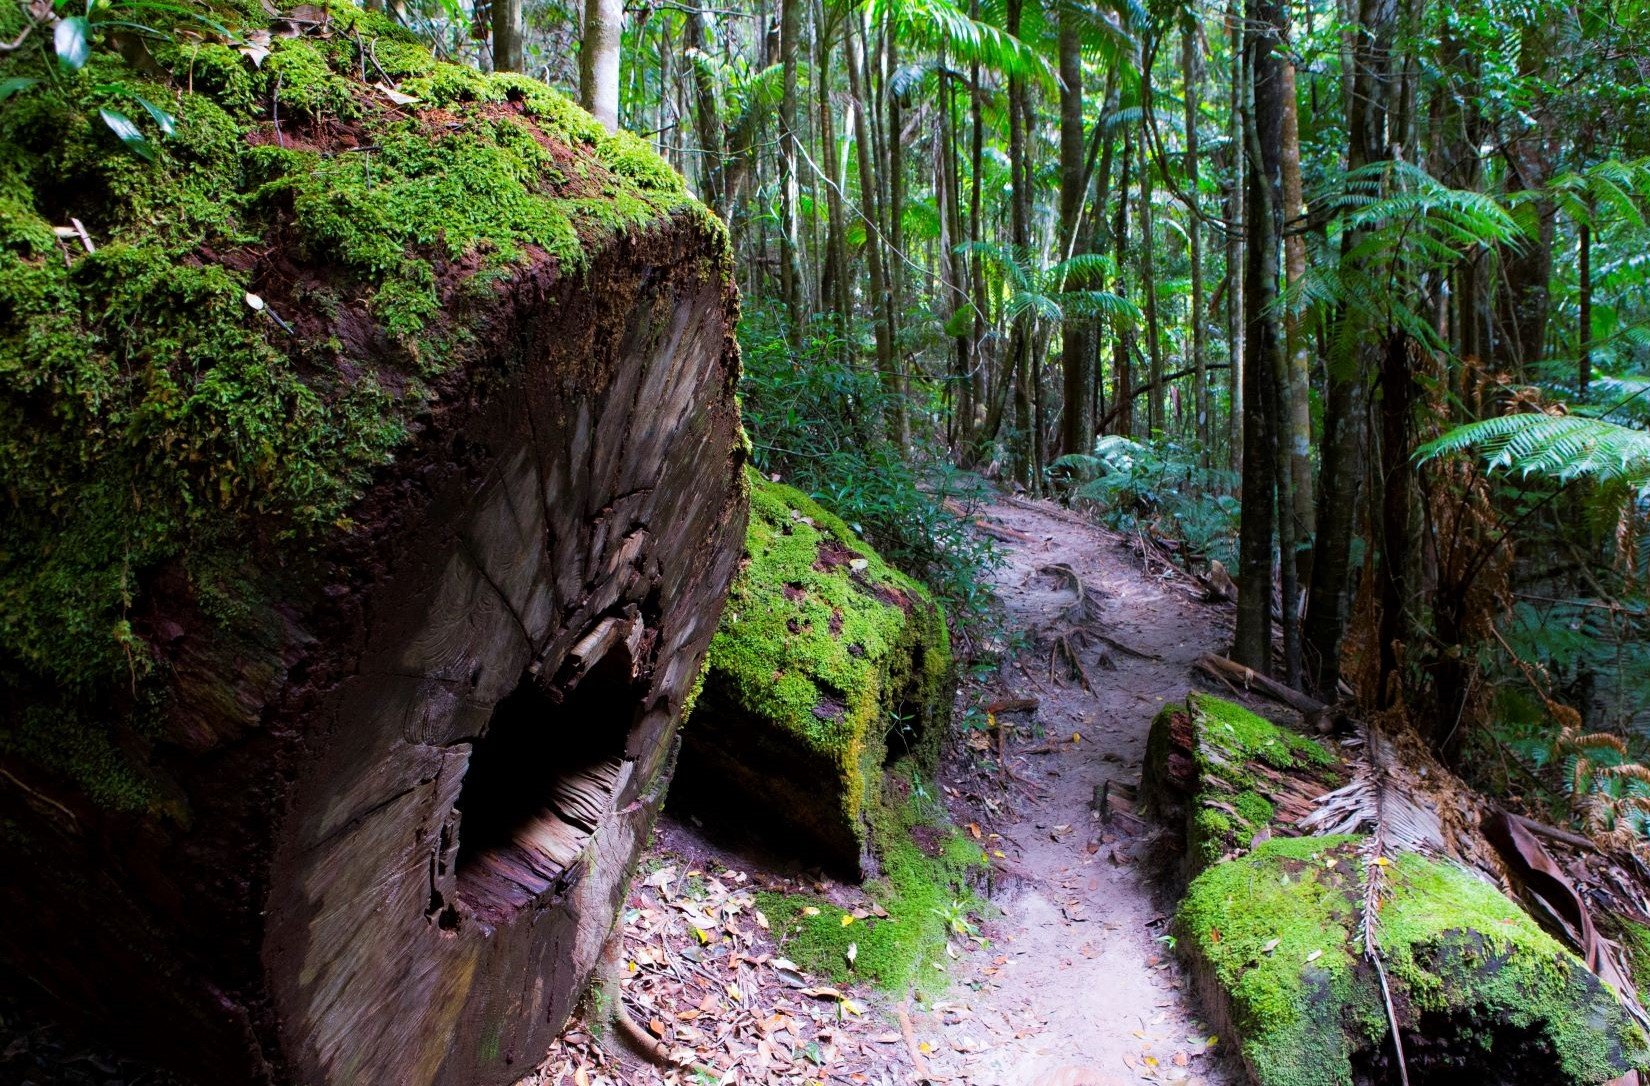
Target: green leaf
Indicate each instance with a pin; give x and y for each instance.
(70, 41)
(168, 124)
(16, 83)
(129, 133)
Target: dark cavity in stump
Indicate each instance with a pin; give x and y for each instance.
(539, 780)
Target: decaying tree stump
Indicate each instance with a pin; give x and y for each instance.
(392, 794)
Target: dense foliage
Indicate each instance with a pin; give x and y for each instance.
(1153, 257)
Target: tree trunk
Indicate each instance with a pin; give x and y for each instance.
(1346, 402)
(1235, 330)
(599, 60)
(1190, 74)
(790, 261)
(1123, 341)
(707, 118)
(507, 34)
(895, 407)
(1148, 292)
(1077, 369)
(1297, 439)
(1584, 329)
(398, 804)
(1019, 339)
(1263, 131)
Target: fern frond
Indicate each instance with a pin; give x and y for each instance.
(1560, 447)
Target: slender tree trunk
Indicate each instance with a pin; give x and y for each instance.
(956, 289)
(1584, 331)
(790, 264)
(1346, 401)
(1148, 292)
(834, 285)
(1235, 329)
(507, 34)
(1263, 132)
(598, 58)
(1020, 236)
(1190, 74)
(978, 369)
(1298, 437)
(1527, 267)
(707, 118)
(1123, 341)
(895, 415)
(1076, 365)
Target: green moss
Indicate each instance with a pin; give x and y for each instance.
(1243, 736)
(149, 417)
(824, 642)
(1227, 741)
(926, 894)
(1454, 947)
(300, 83)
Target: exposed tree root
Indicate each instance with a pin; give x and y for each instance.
(624, 1029)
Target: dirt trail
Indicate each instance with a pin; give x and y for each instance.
(1071, 987)
(1079, 991)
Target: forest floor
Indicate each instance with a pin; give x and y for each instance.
(1070, 982)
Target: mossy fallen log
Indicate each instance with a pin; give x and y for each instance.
(1275, 927)
(828, 667)
(372, 485)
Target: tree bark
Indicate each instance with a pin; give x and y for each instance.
(790, 260)
(507, 35)
(1190, 75)
(1263, 132)
(599, 60)
(1346, 401)
(1148, 292)
(1235, 329)
(1076, 365)
(895, 405)
(707, 118)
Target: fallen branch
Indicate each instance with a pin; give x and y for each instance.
(910, 1034)
(1229, 672)
(1012, 705)
(1001, 534)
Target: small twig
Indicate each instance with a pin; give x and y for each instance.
(85, 238)
(275, 110)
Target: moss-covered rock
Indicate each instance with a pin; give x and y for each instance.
(827, 667)
(1479, 989)
(275, 305)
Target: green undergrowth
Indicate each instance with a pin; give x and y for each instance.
(1277, 932)
(928, 869)
(152, 416)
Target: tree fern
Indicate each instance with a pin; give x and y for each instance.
(1560, 447)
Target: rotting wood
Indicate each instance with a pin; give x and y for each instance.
(1229, 672)
(568, 514)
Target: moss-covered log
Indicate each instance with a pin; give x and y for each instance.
(372, 491)
(828, 666)
(1273, 926)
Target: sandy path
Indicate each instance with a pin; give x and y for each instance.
(1078, 991)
